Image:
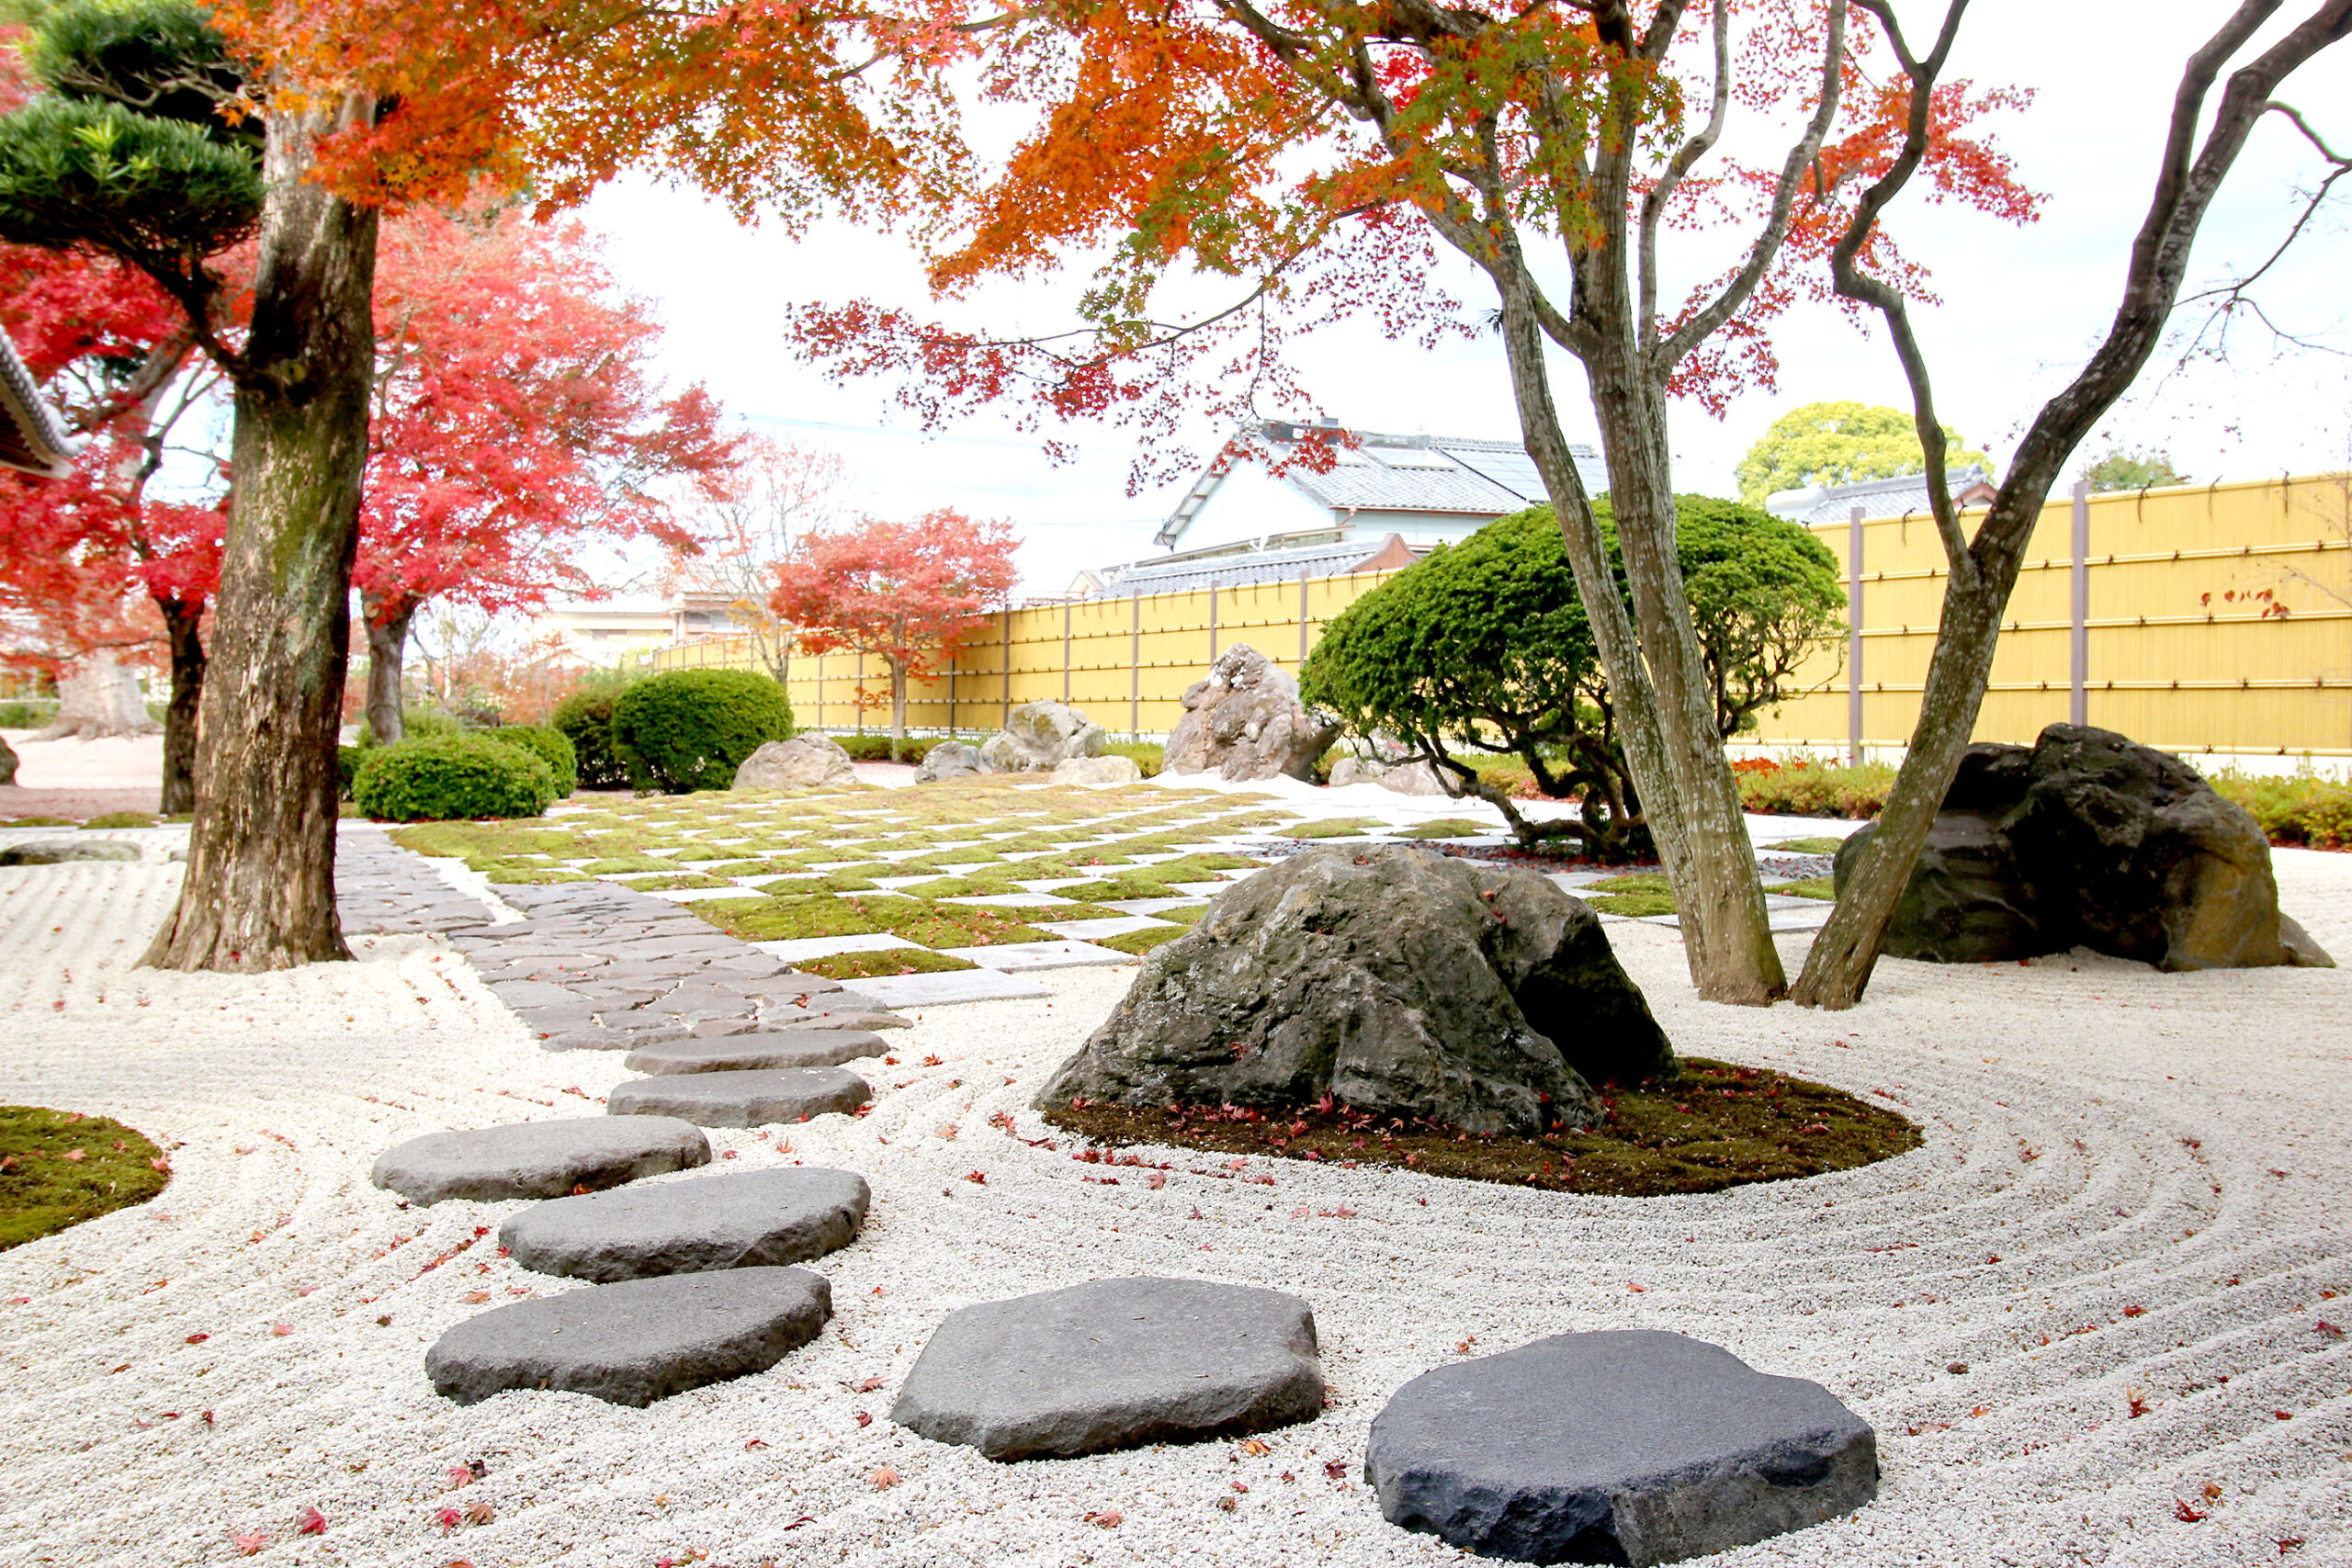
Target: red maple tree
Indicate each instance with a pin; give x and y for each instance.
(908, 594)
(516, 420)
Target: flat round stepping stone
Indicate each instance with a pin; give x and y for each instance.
(635, 1342)
(746, 1220)
(538, 1159)
(752, 1053)
(61, 852)
(1112, 1365)
(741, 1099)
(1630, 1446)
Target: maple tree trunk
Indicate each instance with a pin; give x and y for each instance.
(898, 707)
(386, 650)
(182, 627)
(99, 700)
(260, 887)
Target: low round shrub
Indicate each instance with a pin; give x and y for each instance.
(441, 778)
(690, 729)
(548, 746)
(585, 719)
(347, 767)
(416, 724)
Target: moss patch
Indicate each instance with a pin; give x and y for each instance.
(60, 1167)
(121, 819)
(1331, 828)
(1637, 893)
(1817, 888)
(890, 961)
(1140, 942)
(1823, 846)
(1719, 1126)
(1446, 828)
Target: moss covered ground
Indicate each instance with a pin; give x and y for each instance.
(60, 1167)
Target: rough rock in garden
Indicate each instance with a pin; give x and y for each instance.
(537, 1159)
(752, 1053)
(1390, 767)
(948, 760)
(635, 1342)
(1114, 1364)
(2088, 838)
(1040, 737)
(1096, 771)
(752, 1099)
(1394, 979)
(1245, 721)
(748, 1220)
(7, 762)
(1628, 1446)
(802, 763)
(58, 851)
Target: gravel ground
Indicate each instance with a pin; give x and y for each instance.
(2148, 1172)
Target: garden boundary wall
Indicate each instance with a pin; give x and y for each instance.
(2200, 619)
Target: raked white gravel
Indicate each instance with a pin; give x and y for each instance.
(2133, 1184)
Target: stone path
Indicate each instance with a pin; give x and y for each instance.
(751, 1219)
(538, 1159)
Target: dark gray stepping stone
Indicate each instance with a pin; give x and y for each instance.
(635, 1342)
(745, 1052)
(741, 1099)
(1630, 1446)
(748, 1220)
(58, 851)
(1114, 1365)
(538, 1159)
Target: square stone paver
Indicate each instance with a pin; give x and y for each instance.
(1091, 930)
(1147, 905)
(1010, 900)
(796, 949)
(953, 985)
(1018, 955)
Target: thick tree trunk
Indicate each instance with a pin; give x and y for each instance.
(387, 648)
(260, 887)
(99, 700)
(898, 708)
(183, 625)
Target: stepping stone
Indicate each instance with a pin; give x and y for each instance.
(1112, 1365)
(57, 852)
(748, 1220)
(741, 1099)
(750, 1053)
(635, 1342)
(1014, 957)
(1629, 1446)
(943, 987)
(537, 1159)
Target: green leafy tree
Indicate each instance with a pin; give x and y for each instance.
(1837, 444)
(2124, 469)
(1485, 647)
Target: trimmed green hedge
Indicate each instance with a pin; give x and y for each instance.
(347, 767)
(443, 778)
(585, 719)
(876, 748)
(416, 724)
(2300, 811)
(548, 746)
(689, 729)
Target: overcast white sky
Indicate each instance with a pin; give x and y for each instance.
(2020, 309)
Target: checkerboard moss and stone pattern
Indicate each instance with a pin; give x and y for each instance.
(967, 864)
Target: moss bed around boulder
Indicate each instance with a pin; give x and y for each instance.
(60, 1167)
(1720, 1126)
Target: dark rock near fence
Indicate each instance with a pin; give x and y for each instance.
(1398, 981)
(635, 1342)
(948, 760)
(746, 1220)
(1039, 736)
(2089, 838)
(538, 1159)
(753, 1053)
(741, 1099)
(1245, 721)
(61, 851)
(1627, 1446)
(1114, 1364)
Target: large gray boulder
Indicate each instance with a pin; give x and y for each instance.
(62, 852)
(2089, 838)
(754, 1098)
(635, 1342)
(1096, 773)
(746, 1220)
(538, 1159)
(948, 760)
(804, 761)
(1039, 736)
(1245, 721)
(1114, 1364)
(1627, 1446)
(1392, 979)
(1391, 766)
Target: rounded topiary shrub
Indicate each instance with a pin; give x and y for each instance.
(690, 729)
(548, 746)
(446, 777)
(585, 719)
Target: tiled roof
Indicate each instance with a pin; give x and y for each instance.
(1906, 495)
(1382, 472)
(1184, 575)
(33, 438)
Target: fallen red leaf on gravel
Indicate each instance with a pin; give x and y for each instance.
(248, 1543)
(863, 1419)
(310, 1522)
(197, 1338)
(884, 1478)
(282, 1329)
(755, 1443)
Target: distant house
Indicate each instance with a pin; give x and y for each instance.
(1906, 495)
(601, 630)
(1225, 565)
(33, 440)
(1424, 488)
